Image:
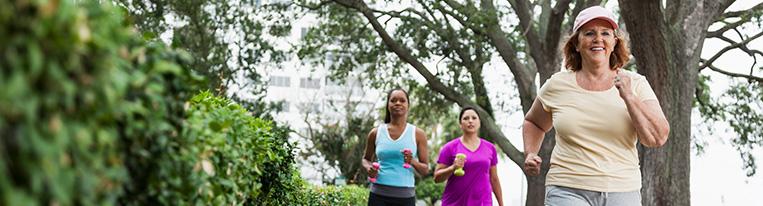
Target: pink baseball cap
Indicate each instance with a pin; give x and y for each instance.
(591, 13)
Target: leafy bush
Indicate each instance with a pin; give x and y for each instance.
(429, 191)
(155, 119)
(332, 195)
(224, 156)
(65, 85)
(92, 114)
(83, 99)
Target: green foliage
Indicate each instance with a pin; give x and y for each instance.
(425, 103)
(740, 106)
(223, 156)
(342, 144)
(157, 114)
(91, 114)
(229, 39)
(344, 42)
(331, 195)
(352, 45)
(429, 191)
(78, 87)
(746, 120)
(704, 102)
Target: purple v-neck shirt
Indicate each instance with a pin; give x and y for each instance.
(474, 187)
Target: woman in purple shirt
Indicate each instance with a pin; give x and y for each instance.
(480, 178)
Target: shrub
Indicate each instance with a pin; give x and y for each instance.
(332, 196)
(81, 97)
(223, 156)
(64, 87)
(429, 191)
(92, 114)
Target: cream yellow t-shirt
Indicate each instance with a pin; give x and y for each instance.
(595, 140)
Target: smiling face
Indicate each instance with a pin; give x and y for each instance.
(596, 41)
(470, 121)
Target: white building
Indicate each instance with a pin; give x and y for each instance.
(310, 98)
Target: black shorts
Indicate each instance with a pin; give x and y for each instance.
(380, 200)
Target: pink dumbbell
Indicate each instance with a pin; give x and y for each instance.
(376, 166)
(405, 164)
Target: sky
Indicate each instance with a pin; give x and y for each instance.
(717, 177)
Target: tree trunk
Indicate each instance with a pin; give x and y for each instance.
(547, 61)
(536, 185)
(667, 46)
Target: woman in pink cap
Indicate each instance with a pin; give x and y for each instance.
(600, 113)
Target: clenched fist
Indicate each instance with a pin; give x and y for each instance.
(532, 164)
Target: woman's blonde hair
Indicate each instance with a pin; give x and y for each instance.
(573, 61)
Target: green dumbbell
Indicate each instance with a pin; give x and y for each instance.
(460, 171)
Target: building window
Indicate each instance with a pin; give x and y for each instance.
(330, 58)
(310, 83)
(303, 33)
(280, 81)
(285, 106)
(310, 107)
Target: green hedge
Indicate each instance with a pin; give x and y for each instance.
(224, 156)
(93, 114)
(234, 158)
(67, 75)
(332, 196)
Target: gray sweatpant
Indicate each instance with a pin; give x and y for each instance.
(565, 196)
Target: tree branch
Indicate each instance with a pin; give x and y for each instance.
(449, 36)
(430, 12)
(522, 10)
(473, 65)
(523, 76)
(722, 5)
(405, 54)
(461, 50)
(460, 8)
(744, 48)
(398, 14)
(724, 50)
(475, 70)
(554, 32)
(728, 26)
(308, 6)
(747, 12)
(731, 74)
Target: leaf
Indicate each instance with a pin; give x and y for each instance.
(149, 35)
(215, 126)
(35, 58)
(163, 67)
